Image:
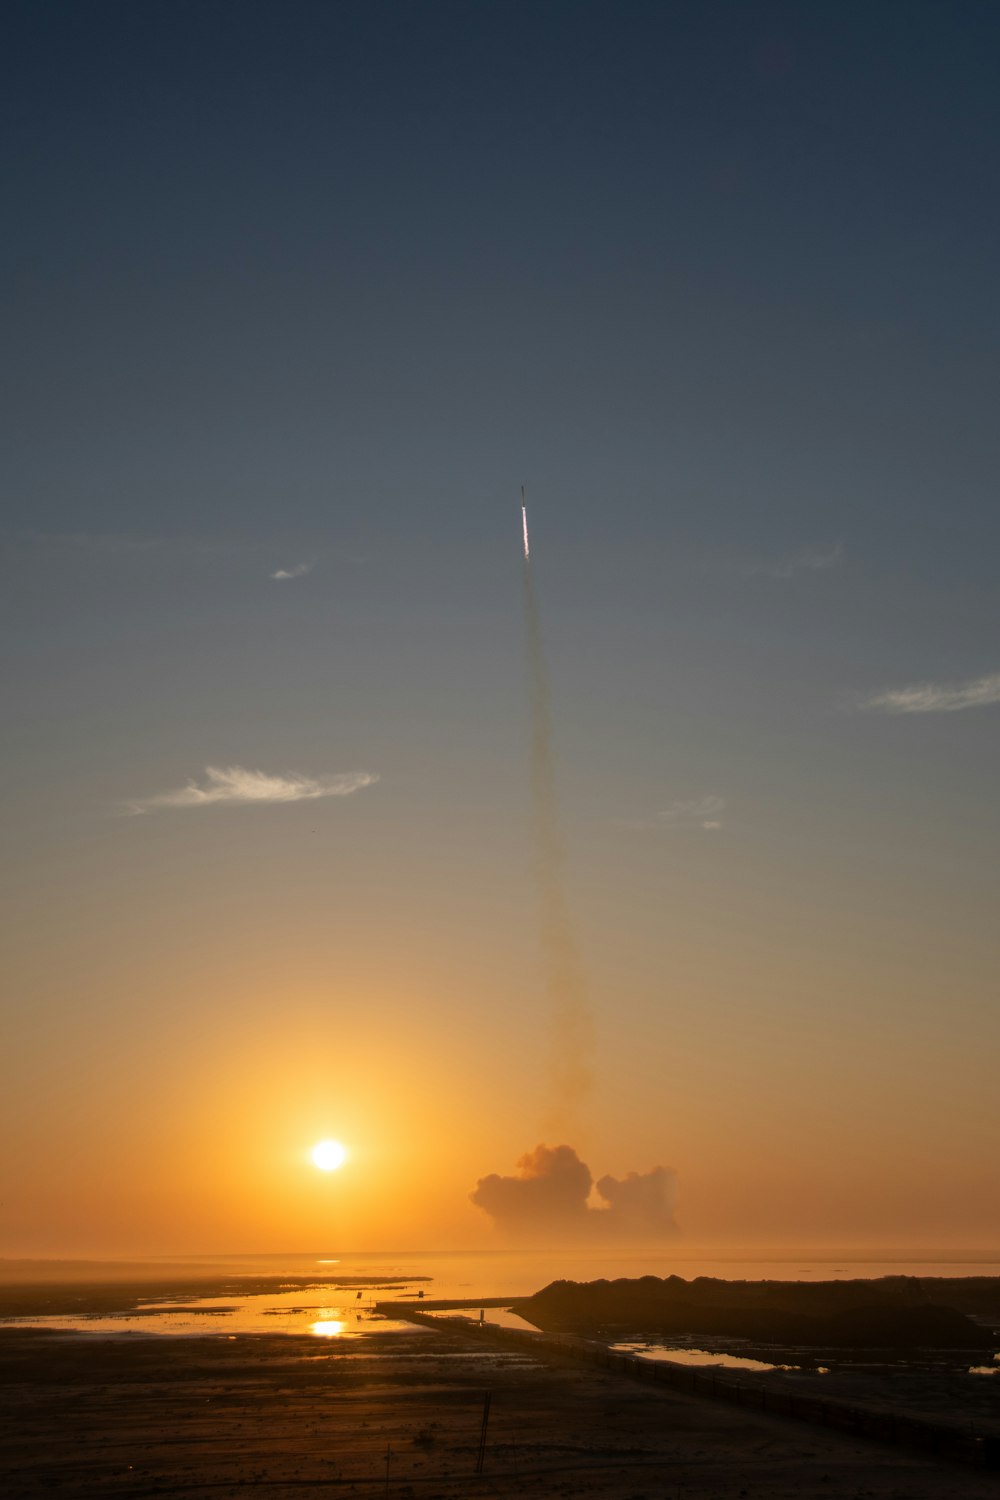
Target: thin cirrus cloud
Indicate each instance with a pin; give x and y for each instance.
(937, 697)
(806, 560)
(693, 812)
(237, 786)
(298, 571)
(697, 812)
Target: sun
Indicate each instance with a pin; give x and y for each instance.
(328, 1155)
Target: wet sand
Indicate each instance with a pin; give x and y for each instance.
(289, 1416)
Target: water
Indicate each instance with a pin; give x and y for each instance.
(491, 1273)
(321, 1311)
(700, 1357)
(498, 1273)
(519, 1272)
(328, 1306)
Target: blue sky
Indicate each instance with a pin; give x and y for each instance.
(726, 268)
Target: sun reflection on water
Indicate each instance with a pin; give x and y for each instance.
(328, 1328)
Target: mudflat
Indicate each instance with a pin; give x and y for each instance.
(222, 1416)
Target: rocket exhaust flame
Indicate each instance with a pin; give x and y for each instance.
(571, 1025)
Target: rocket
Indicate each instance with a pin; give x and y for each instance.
(524, 524)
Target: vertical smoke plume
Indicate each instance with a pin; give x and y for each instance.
(571, 1025)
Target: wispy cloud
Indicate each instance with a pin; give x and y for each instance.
(806, 560)
(298, 571)
(937, 697)
(694, 812)
(235, 784)
(697, 812)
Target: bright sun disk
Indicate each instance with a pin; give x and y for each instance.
(329, 1155)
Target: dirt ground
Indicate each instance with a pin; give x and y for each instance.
(221, 1416)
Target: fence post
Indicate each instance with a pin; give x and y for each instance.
(480, 1456)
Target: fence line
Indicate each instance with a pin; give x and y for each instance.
(942, 1439)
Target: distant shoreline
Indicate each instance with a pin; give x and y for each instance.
(647, 1301)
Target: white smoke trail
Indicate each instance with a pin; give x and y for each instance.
(571, 1023)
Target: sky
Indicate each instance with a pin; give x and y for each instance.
(296, 298)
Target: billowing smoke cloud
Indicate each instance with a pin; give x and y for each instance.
(548, 1198)
(642, 1202)
(571, 1038)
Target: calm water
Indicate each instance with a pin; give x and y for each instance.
(704, 1357)
(491, 1273)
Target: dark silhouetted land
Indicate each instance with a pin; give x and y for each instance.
(140, 1415)
(893, 1312)
(287, 1417)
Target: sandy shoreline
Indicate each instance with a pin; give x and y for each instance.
(228, 1416)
